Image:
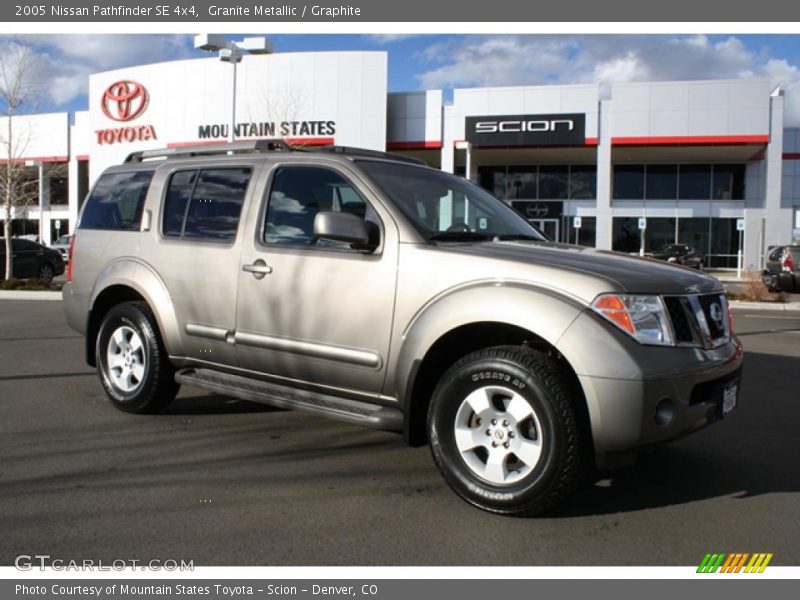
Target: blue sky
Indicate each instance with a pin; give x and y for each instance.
(448, 61)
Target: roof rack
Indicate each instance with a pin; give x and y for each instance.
(259, 146)
(246, 147)
(351, 151)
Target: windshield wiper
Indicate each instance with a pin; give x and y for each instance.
(519, 236)
(459, 236)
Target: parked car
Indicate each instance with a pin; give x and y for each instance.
(334, 281)
(31, 259)
(680, 254)
(782, 272)
(62, 245)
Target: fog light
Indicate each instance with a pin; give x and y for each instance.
(665, 411)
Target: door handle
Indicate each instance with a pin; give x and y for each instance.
(259, 268)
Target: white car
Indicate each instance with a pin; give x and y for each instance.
(62, 245)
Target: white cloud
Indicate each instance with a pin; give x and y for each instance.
(532, 60)
(389, 38)
(66, 61)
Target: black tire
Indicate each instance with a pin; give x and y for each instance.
(552, 398)
(156, 387)
(46, 272)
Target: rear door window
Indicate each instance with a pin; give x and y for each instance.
(116, 202)
(205, 203)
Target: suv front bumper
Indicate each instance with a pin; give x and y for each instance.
(639, 395)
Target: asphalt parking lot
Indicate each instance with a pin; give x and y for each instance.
(226, 482)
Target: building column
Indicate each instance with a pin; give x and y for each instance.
(603, 202)
(448, 141)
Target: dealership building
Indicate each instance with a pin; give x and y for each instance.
(623, 167)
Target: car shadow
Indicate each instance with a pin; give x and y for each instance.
(214, 404)
(753, 451)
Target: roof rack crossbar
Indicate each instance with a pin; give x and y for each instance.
(351, 151)
(244, 147)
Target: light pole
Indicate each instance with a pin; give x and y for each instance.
(232, 52)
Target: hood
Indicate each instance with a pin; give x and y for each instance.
(623, 272)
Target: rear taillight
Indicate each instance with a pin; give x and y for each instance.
(787, 262)
(69, 258)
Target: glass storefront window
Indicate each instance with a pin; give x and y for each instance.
(694, 182)
(728, 182)
(662, 182)
(521, 183)
(628, 182)
(695, 232)
(586, 236)
(583, 182)
(494, 180)
(659, 231)
(553, 182)
(625, 234)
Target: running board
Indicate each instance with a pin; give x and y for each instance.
(255, 390)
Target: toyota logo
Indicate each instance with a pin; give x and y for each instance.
(124, 100)
(715, 311)
(536, 210)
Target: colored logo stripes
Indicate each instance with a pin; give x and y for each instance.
(735, 562)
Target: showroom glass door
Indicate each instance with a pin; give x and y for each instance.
(549, 227)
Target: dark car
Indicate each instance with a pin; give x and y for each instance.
(680, 254)
(31, 260)
(782, 273)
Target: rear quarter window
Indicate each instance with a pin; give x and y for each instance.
(116, 202)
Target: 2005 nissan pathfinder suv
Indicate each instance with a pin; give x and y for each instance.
(370, 288)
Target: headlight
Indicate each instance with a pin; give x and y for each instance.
(644, 318)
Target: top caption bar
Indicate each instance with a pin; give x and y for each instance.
(465, 11)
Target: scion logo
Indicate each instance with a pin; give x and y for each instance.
(522, 126)
(124, 100)
(536, 210)
(563, 129)
(715, 311)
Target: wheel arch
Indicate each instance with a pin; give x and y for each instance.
(469, 320)
(130, 280)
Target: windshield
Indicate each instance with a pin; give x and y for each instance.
(444, 207)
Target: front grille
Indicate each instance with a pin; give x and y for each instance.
(698, 320)
(680, 316)
(713, 307)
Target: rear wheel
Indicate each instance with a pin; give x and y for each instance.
(132, 362)
(504, 431)
(45, 272)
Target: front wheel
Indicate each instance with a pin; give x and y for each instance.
(132, 361)
(504, 431)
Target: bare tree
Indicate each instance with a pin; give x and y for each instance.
(20, 77)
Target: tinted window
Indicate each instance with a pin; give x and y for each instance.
(728, 182)
(494, 179)
(662, 182)
(695, 182)
(179, 191)
(298, 194)
(629, 182)
(521, 182)
(583, 182)
(205, 204)
(116, 202)
(553, 182)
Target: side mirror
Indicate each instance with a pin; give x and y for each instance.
(342, 227)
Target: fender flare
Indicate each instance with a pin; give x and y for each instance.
(137, 275)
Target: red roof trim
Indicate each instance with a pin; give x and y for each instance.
(690, 140)
(419, 145)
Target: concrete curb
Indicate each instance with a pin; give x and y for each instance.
(26, 295)
(741, 304)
